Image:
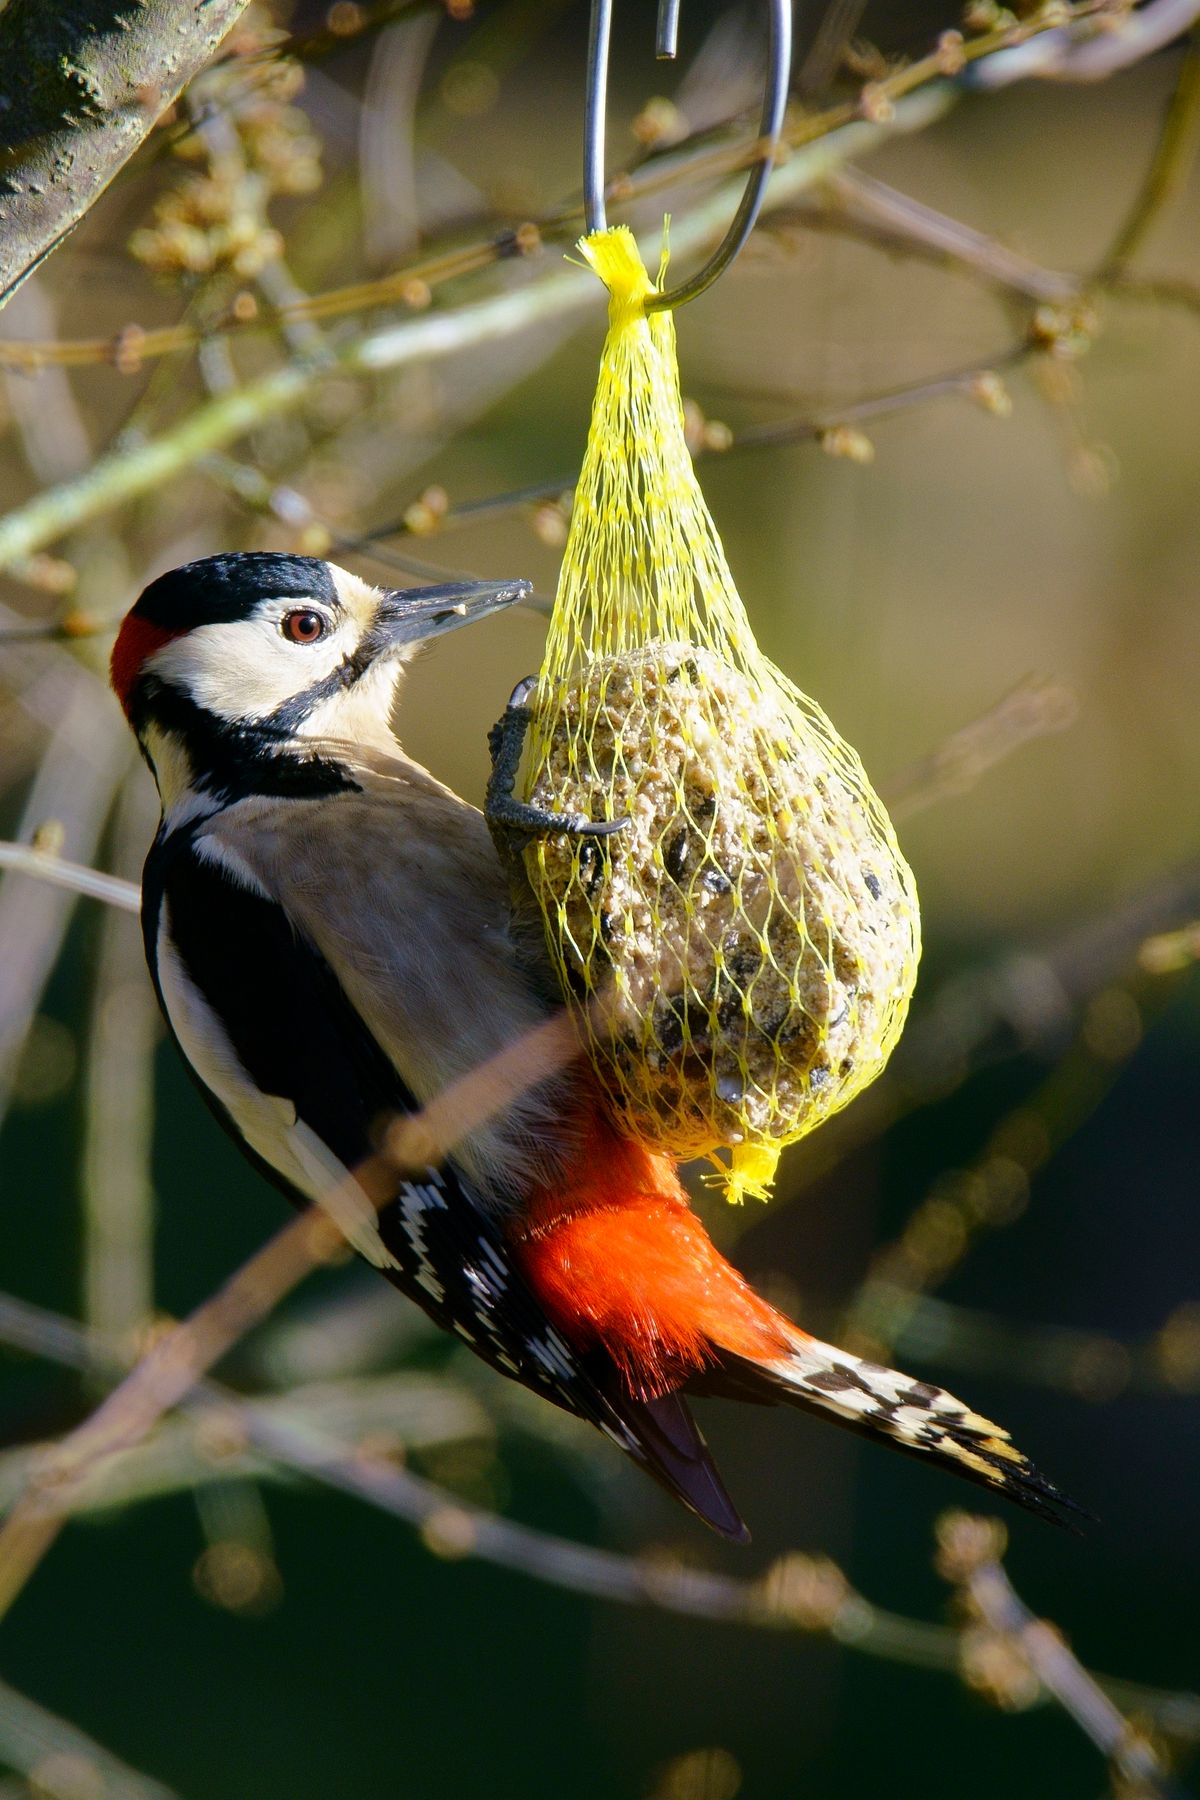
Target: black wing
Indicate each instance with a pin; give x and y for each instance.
(297, 1036)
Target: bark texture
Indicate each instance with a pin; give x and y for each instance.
(81, 84)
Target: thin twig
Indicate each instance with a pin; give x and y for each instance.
(816, 426)
(969, 1555)
(1173, 156)
(1030, 710)
(884, 107)
(809, 427)
(85, 759)
(415, 1412)
(470, 512)
(1074, 55)
(157, 1383)
(871, 208)
(282, 501)
(1162, 290)
(797, 1593)
(415, 1141)
(24, 859)
(59, 1758)
(116, 1183)
(125, 474)
(1094, 1365)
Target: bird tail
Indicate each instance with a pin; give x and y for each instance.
(621, 1263)
(915, 1417)
(663, 1438)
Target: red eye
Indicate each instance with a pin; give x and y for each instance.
(304, 627)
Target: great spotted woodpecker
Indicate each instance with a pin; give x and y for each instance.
(332, 938)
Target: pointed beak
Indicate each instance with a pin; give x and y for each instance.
(411, 616)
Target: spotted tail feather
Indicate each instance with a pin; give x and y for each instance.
(915, 1416)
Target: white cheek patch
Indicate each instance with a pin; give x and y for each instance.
(268, 1122)
(246, 668)
(358, 713)
(173, 773)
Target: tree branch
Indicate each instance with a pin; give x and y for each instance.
(40, 1745)
(798, 1592)
(85, 83)
(1173, 157)
(551, 293)
(969, 1555)
(26, 859)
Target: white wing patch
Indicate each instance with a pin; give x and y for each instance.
(268, 1122)
(415, 1201)
(212, 849)
(553, 1355)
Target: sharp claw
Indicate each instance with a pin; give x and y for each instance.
(536, 823)
(509, 814)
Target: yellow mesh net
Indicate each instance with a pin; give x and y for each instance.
(741, 955)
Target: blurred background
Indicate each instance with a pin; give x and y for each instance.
(945, 414)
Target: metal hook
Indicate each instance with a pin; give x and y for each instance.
(779, 62)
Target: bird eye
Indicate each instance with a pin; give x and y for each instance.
(304, 627)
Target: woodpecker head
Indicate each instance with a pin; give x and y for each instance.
(249, 673)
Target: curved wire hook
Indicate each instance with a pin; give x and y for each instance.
(779, 63)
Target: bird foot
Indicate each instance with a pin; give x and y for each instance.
(516, 819)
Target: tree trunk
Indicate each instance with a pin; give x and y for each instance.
(81, 84)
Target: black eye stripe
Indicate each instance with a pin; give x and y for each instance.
(291, 715)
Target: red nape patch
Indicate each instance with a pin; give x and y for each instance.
(136, 640)
(618, 1257)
